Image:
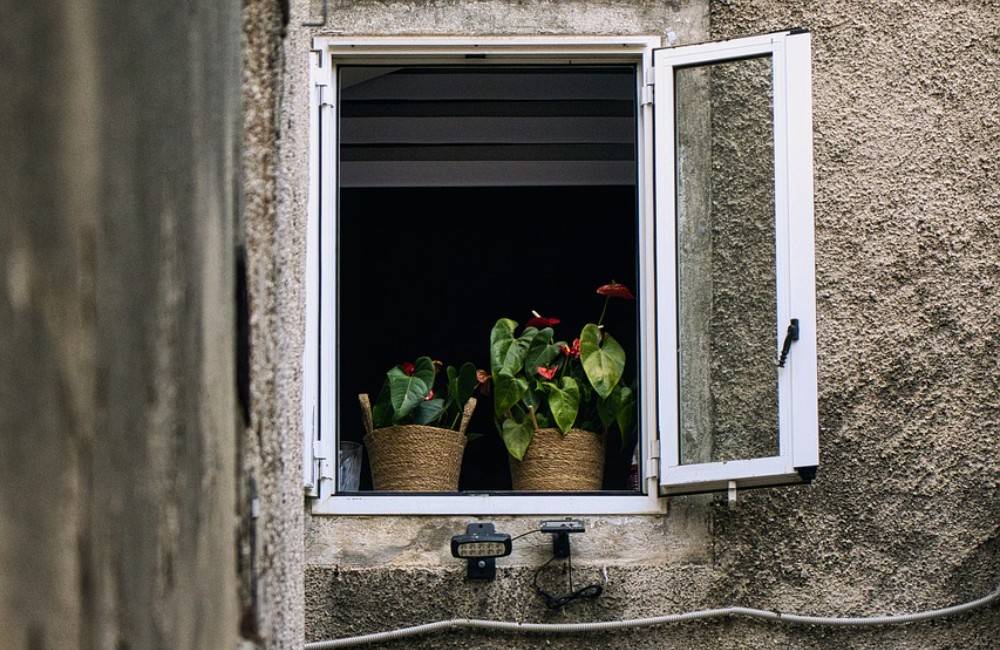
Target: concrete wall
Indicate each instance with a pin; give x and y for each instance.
(117, 402)
(905, 512)
(271, 451)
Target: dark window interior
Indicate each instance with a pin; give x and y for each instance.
(471, 193)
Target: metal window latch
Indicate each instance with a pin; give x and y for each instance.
(321, 91)
(791, 335)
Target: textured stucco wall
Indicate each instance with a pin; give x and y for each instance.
(906, 512)
(904, 515)
(118, 130)
(272, 543)
(742, 325)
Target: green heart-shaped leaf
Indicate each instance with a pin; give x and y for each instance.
(606, 411)
(507, 391)
(626, 415)
(564, 402)
(427, 411)
(541, 352)
(382, 410)
(452, 375)
(423, 369)
(618, 408)
(405, 392)
(507, 351)
(603, 361)
(517, 436)
(467, 383)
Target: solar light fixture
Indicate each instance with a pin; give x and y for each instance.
(480, 546)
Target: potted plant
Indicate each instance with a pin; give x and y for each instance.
(415, 433)
(556, 402)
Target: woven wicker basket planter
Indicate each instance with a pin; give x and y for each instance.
(414, 457)
(557, 462)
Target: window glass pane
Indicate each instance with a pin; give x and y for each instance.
(470, 193)
(726, 261)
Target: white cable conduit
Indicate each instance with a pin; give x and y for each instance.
(605, 626)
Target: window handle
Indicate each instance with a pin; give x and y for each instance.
(791, 335)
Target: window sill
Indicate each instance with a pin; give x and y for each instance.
(596, 503)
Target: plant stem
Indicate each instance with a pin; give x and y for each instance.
(531, 413)
(600, 320)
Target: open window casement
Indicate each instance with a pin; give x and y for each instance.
(735, 279)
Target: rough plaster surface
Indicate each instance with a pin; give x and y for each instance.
(905, 512)
(272, 556)
(364, 542)
(117, 408)
(726, 261)
(744, 379)
(376, 17)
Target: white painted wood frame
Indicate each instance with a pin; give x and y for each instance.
(794, 266)
(319, 383)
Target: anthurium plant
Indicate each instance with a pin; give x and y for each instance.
(541, 382)
(419, 393)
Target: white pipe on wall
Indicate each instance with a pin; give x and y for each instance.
(606, 626)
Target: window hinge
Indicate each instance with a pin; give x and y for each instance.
(653, 467)
(309, 470)
(647, 95)
(323, 462)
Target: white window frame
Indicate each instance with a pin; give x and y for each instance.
(319, 451)
(661, 471)
(794, 266)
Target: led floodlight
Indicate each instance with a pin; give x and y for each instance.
(481, 545)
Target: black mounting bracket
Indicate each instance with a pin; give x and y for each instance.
(560, 531)
(481, 568)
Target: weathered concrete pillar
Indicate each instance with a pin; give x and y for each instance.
(117, 403)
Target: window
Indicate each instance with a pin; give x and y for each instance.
(735, 281)
(426, 150)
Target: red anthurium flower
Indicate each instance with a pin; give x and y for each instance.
(541, 321)
(430, 396)
(615, 290)
(573, 351)
(548, 373)
(407, 368)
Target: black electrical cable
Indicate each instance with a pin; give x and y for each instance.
(551, 601)
(530, 532)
